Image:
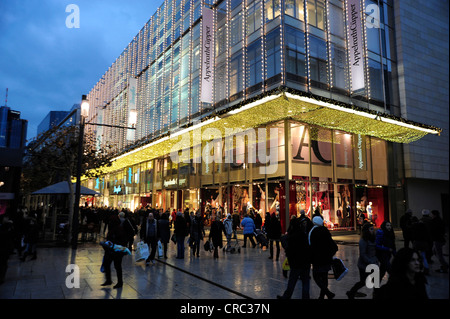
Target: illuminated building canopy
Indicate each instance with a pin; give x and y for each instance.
(280, 105)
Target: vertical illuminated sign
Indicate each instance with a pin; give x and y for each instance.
(355, 43)
(207, 55)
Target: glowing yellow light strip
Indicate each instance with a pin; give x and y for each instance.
(274, 108)
(361, 113)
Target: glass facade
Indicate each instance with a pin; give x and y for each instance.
(259, 45)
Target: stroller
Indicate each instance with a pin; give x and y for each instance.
(236, 248)
(261, 238)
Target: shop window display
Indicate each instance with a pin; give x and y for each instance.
(371, 204)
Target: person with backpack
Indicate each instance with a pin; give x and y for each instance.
(323, 248)
(228, 223)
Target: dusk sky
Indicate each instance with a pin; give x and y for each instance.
(47, 66)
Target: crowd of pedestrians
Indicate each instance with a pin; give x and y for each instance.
(308, 244)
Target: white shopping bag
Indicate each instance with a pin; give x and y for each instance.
(142, 251)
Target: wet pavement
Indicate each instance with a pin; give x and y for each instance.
(245, 275)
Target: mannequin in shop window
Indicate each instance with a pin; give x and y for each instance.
(339, 216)
(262, 201)
(369, 212)
(276, 201)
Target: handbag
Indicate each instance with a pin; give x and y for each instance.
(142, 251)
(339, 269)
(206, 245)
(174, 238)
(286, 266)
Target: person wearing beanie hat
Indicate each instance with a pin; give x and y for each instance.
(318, 221)
(323, 248)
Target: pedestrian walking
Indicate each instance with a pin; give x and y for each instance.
(438, 238)
(30, 238)
(405, 225)
(420, 239)
(274, 234)
(228, 224)
(164, 231)
(216, 234)
(258, 220)
(249, 229)
(323, 248)
(134, 229)
(118, 233)
(299, 256)
(6, 244)
(236, 223)
(367, 256)
(385, 247)
(427, 220)
(407, 280)
(197, 232)
(180, 232)
(149, 234)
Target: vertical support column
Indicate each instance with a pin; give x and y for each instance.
(288, 172)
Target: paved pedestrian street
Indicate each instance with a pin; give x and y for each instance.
(245, 275)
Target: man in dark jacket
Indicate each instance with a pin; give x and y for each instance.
(197, 232)
(405, 225)
(149, 233)
(164, 231)
(180, 233)
(119, 231)
(236, 223)
(274, 234)
(323, 249)
(299, 256)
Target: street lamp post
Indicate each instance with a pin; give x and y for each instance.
(84, 112)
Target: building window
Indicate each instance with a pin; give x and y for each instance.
(294, 8)
(253, 17)
(272, 9)
(339, 67)
(376, 81)
(254, 63)
(236, 73)
(273, 53)
(318, 60)
(295, 53)
(236, 29)
(337, 21)
(317, 13)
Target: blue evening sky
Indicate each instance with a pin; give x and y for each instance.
(47, 66)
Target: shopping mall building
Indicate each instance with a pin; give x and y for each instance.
(329, 105)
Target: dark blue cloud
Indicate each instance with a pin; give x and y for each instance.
(46, 65)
